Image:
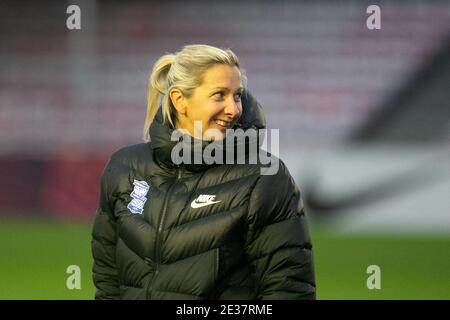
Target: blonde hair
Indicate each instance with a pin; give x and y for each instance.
(183, 70)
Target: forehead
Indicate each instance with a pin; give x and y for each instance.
(222, 76)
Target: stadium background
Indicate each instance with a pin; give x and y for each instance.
(353, 105)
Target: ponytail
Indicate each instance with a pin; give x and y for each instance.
(157, 86)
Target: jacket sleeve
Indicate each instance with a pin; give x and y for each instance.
(103, 244)
(278, 242)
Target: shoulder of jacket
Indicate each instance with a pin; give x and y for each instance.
(272, 196)
(132, 155)
(272, 169)
(129, 161)
(274, 176)
(136, 158)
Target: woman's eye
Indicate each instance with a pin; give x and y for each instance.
(221, 95)
(218, 95)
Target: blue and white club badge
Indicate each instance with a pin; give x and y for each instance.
(138, 194)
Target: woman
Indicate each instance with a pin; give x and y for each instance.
(193, 230)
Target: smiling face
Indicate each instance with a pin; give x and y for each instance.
(216, 103)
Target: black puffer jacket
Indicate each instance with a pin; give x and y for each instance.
(154, 239)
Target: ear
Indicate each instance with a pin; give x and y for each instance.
(178, 100)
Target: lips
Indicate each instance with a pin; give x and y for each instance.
(224, 124)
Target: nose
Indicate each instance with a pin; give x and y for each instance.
(233, 109)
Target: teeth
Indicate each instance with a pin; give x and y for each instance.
(222, 123)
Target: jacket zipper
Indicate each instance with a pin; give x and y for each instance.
(159, 231)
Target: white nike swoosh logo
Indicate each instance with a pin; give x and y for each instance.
(195, 204)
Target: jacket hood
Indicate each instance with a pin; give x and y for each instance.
(160, 133)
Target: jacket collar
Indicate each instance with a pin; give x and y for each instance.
(160, 133)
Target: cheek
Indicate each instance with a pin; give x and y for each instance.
(204, 110)
(195, 111)
(211, 110)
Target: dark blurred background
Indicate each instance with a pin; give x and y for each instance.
(364, 119)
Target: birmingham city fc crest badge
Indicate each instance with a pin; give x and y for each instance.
(139, 196)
